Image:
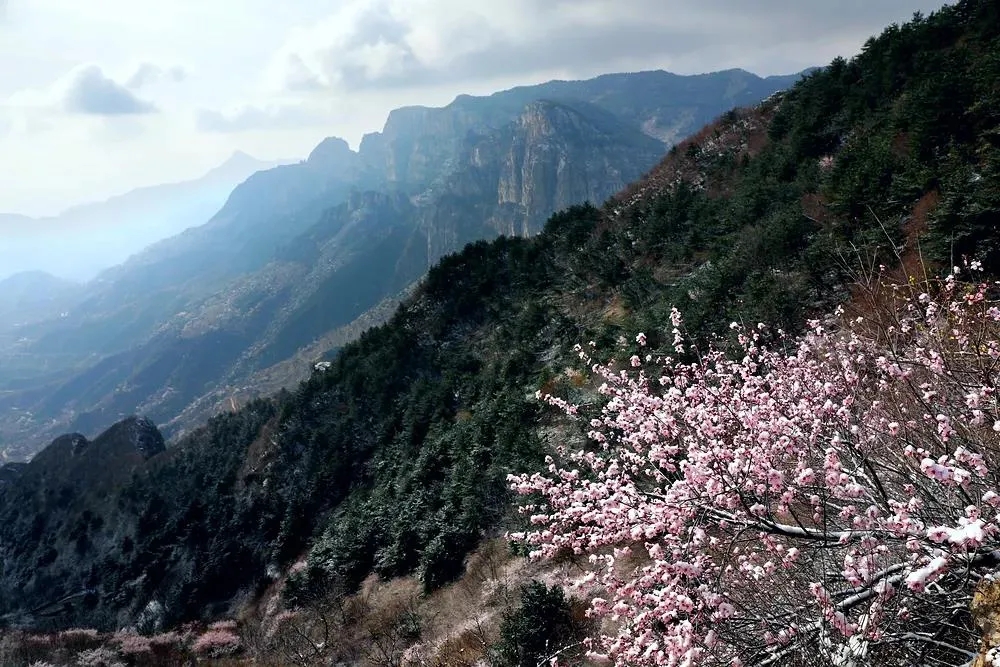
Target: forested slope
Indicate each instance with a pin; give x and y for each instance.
(394, 459)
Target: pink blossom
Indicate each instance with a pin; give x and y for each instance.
(938, 534)
(918, 579)
(845, 468)
(217, 643)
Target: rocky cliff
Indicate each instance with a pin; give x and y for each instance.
(68, 483)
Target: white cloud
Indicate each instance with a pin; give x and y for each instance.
(150, 73)
(87, 89)
(275, 78)
(257, 118)
(383, 44)
(91, 92)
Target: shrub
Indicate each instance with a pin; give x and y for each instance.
(829, 498)
(99, 657)
(539, 629)
(133, 644)
(217, 643)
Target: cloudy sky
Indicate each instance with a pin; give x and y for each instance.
(100, 96)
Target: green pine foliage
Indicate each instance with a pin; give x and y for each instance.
(541, 628)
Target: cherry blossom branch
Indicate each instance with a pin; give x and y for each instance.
(862, 460)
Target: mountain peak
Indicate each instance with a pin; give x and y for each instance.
(240, 157)
(237, 166)
(140, 434)
(24, 282)
(330, 149)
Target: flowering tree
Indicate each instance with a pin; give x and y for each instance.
(826, 500)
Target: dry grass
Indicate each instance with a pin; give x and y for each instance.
(385, 623)
(814, 207)
(463, 650)
(868, 296)
(743, 134)
(616, 312)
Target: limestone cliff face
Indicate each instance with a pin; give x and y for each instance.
(551, 156)
(533, 169)
(481, 167)
(502, 164)
(509, 178)
(417, 141)
(557, 156)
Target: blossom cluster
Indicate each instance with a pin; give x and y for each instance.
(219, 640)
(818, 495)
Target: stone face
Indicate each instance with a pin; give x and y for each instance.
(144, 437)
(986, 612)
(78, 444)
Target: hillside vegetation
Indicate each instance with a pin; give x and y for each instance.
(394, 460)
(187, 327)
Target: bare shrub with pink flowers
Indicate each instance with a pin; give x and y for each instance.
(217, 643)
(831, 499)
(133, 644)
(76, 638)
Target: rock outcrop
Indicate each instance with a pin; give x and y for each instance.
(986, 611)
(68, 483)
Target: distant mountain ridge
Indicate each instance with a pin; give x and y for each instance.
(301, 250)
(84, 239)
(32, 295)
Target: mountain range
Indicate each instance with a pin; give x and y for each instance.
(82, 241)
(209, 318)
